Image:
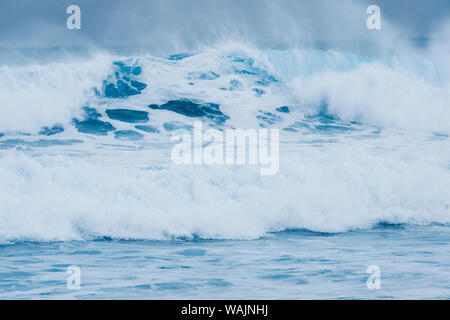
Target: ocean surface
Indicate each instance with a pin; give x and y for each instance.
(294, 264)
(87, 180)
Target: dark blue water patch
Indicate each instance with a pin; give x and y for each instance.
(300, 281)
(243, 59)
(235, 84)
(266, 79)
(184, 107)
(54, 270)
(332, 128)
(285, 258)
(147, 128)
(14, 143)
(328, 122)
(324, 119)
(249, 68)
(22, 133)
(91, 113)
(218, 283)
(243, 71)
(129, 135)
(140, 86)
(50, 131)
(123, 83)
(174, 267)
(440, 135)
(283, 109)
(193, 109)
(268, 119)
(90, 123)
(179, 56)
(125, 115)
(194, 237)
(91, 126)
(127, 69)
(86, 252)
(276, 277)
(323, 116)
(143, 287)
(420, 41)
(210, 75)
(384, 225)
(1, 134)
(48, 143)
(176, 125)
(102, 239)
(259, 92)
(120, 90)
(303, 232)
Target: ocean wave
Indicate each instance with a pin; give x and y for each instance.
(340, 188)
(85, 147)
(241, 83)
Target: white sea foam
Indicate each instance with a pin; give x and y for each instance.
(334, 184)
(35, 95)
(331, 188)
(373, 93)
(390, 92)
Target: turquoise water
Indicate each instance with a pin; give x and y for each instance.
(297, 264)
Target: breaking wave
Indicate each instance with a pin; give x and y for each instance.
(85, 144)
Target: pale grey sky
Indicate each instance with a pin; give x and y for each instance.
(183, 23)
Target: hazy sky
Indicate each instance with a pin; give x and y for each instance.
(180, 23)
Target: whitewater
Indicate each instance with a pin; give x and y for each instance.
(86, 173)
(74, 168)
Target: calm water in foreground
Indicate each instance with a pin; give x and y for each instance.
(414, 263)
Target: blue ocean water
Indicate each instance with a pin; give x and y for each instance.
(86, 177)
(294, 264)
